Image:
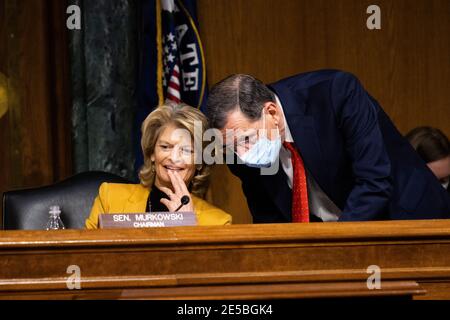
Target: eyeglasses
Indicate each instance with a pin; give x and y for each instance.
(240, 141)
(181, 151)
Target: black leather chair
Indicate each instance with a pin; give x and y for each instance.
(28, 209)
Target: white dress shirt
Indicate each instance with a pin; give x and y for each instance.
(320, 204)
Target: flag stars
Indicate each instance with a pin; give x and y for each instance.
(170, 37)
(170, 58)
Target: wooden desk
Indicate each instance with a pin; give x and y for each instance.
(240, 261)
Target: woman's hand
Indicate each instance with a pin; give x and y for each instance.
(175, 196)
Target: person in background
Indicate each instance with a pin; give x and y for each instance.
(433, 147)
(169, 171)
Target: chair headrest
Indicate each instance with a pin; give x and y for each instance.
(28, 209)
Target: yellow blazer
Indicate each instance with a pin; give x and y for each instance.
(132, 198)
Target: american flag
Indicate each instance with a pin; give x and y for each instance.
(172, 64)
(183, 63)
(171, 68)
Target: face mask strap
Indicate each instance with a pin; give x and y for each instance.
(238, 102)
(264, 125)
(264, 130)
(263, 116)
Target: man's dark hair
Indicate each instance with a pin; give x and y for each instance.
(431, 143)
(237, 91)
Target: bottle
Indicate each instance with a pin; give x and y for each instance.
(54, 219)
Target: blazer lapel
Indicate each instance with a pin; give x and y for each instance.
(303, 128)
(137, 202)
(277, 187)
(307, 142)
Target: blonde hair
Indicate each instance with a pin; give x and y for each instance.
(181, 116)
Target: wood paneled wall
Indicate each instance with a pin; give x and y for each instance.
(405, 65)
(35, 137)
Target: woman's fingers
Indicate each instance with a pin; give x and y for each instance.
(185, 192)
(169, 193)
(181, 184)
(178, 184)
(175, 201)
(175, 183)
(179, 190)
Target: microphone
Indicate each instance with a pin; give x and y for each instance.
(184, 201)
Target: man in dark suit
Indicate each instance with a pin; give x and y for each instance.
(341, 157)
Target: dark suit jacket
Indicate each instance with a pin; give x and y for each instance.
(353, 151)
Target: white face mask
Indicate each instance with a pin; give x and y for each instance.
(264, 152)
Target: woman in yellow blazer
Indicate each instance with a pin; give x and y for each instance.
(169, 171)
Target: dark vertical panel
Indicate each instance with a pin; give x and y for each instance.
(104, 71)
(79, 110)
(4, 120)
(59, 89)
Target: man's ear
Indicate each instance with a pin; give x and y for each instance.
(272, 110)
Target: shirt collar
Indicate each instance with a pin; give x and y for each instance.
(287, 132)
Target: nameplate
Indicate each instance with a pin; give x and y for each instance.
(147, 220)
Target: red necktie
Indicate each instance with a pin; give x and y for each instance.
(300, 208)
